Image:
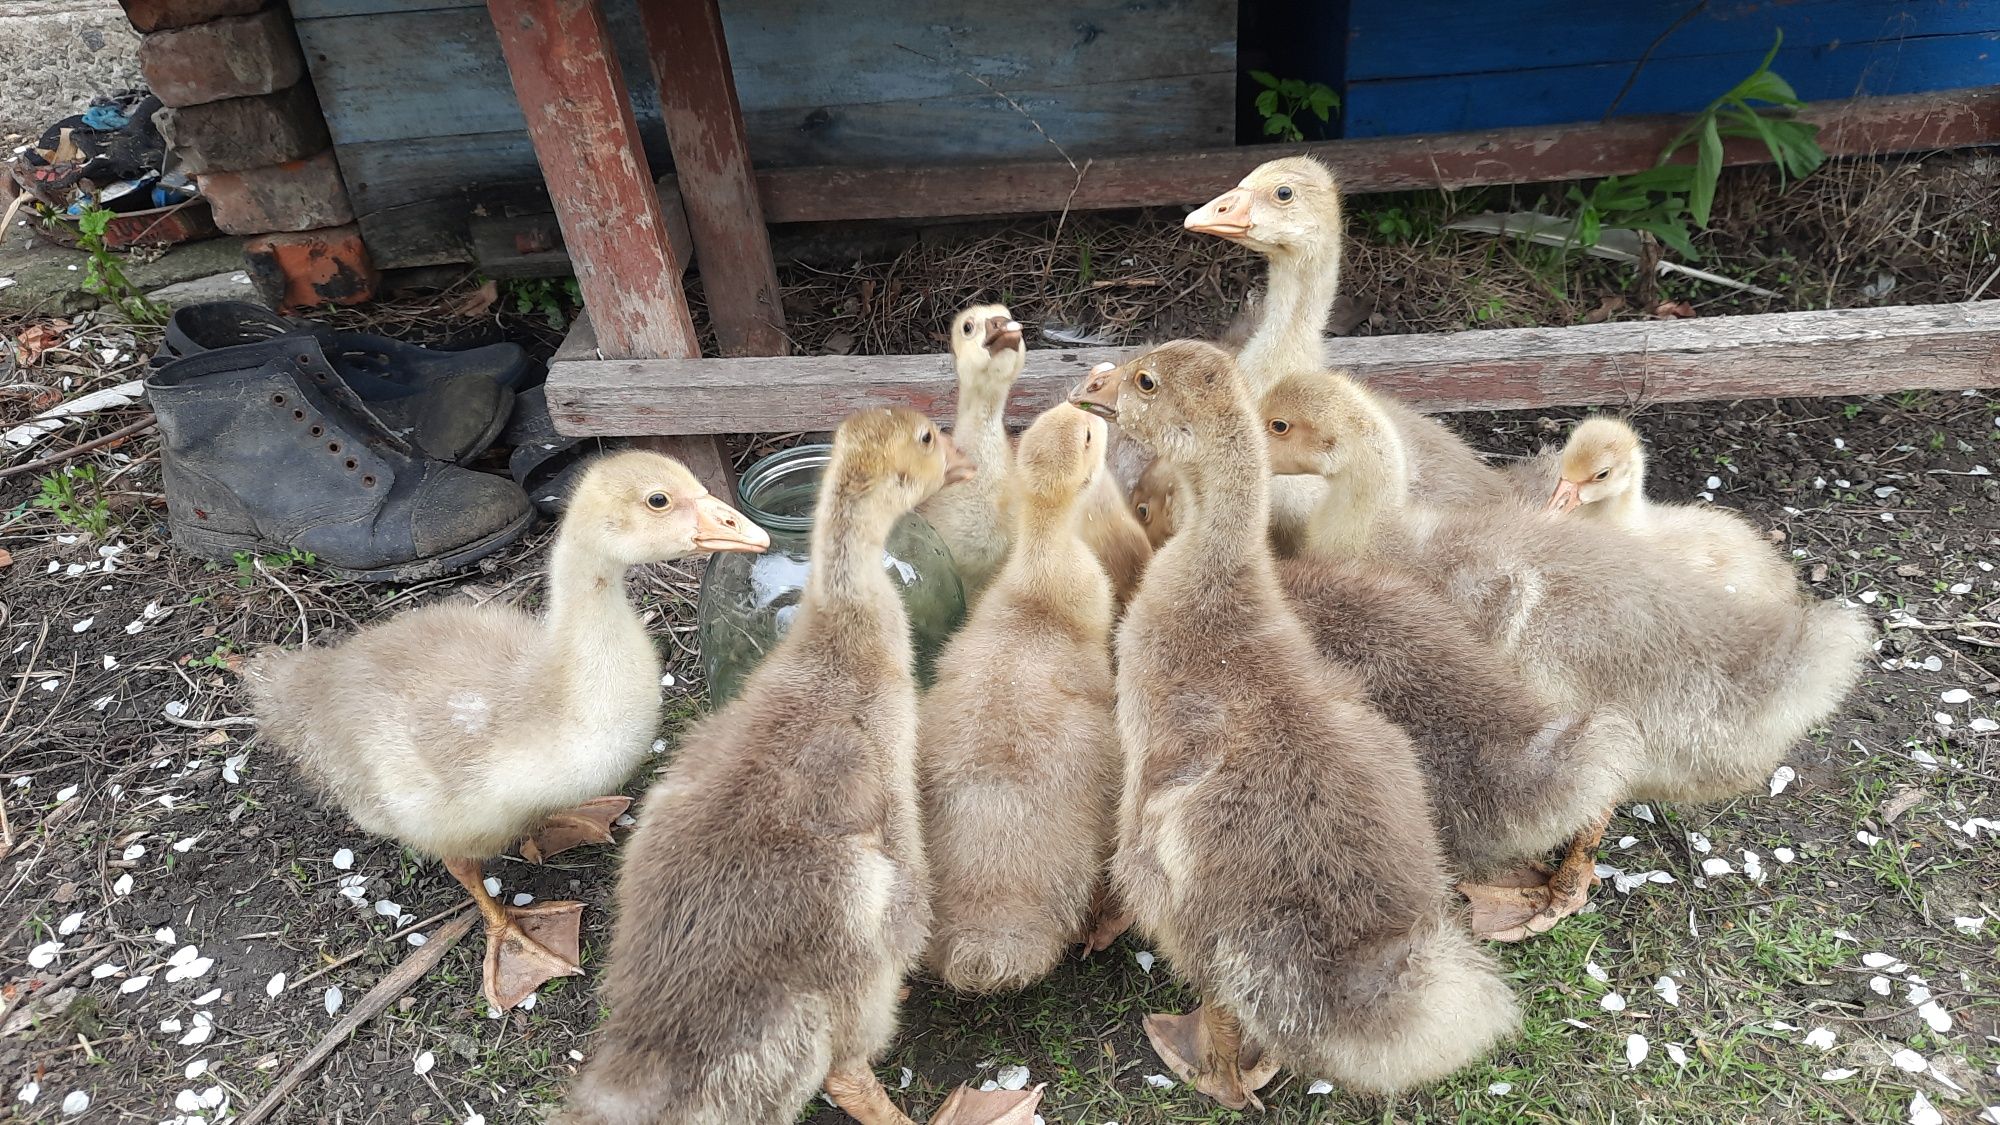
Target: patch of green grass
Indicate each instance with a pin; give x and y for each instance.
(73, 497)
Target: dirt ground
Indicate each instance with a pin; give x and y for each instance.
(1845, 966)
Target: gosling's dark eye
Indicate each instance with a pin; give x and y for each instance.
(659, 501)
(1284, 193)
(968, 328)
(1086, 439)
(1145, 514)
(1147, 383)
(924, 436)
(1601, 474)
(1280, 426)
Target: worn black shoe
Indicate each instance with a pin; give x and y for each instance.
(452, 405)
(265, 448)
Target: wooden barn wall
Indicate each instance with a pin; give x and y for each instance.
(422, 113)
(1433, 66)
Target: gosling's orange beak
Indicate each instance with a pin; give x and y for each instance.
(957, 466)
(1225, 216)
(1567, 496)
(1002, 333)
(1098, 393)
(722, 529)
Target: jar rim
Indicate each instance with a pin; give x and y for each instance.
(775, 470)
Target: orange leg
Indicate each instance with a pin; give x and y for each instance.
(857, 1091)
(1524, 904)
(1108, 920)
(588, 823)
(526, 946)
(1206, 1049)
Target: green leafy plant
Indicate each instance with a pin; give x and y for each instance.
(63, 496)
(104, 276)
(1663, 200)
(246, 564)
(219, 659)
(552, 297)
(1282, 100)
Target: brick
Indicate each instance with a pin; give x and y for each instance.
(297, 195)
(162, 15)
(236, 134)
(234, 57)
(312, 268)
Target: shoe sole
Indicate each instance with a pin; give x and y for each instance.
(217, 546)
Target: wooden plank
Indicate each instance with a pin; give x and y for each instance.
(1836, 352)
(1410, 38)
(690, 61)
(1861, 127)
(1432, 104)
(521, 237)
(1086, 71)
(702, 454)
(565, 71)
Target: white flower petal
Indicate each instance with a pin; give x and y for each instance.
(1956, 695)
(1969, 925)
(1699, 842)
(1596, 972)
(44, 955)
(1674, 1052)
(134, 852)
(1611, 1002)
(1879, 985)
(492, 885)
(1909, 1060)
(343, 859)
(416, 939)
(1937, 1017)
(1785, 855)
(333, 998)
(124, 884)
(1922, 1112)
(1159, 1082)
(1643, 812)
(1011, 1077)
(425, 1061)
(209, 997)
(1821, 1037)
(1782, 777)
(523, 899)
(134, 984)
(1715, 866)
(275, 985)
(75, 1102)
(1319, 1086)
(1669, 990)
(908, 1076)
(1877, 960)
(1838, 1074)
(1497, 1089)
(1636, 1050)
(1145, 960)
(65, 793)
(198, 1033)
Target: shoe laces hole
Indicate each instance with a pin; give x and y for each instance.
(368, 480)
(277, 400)
(298, 415)
(352, 464)
(318, 430)
(333, 447)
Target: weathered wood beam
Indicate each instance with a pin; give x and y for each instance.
(565, 72)
(1857, 127)
(690, 60)
(1835, 352)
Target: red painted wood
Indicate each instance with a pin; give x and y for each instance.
(1858, 127)
(690, 58)
(579, 113)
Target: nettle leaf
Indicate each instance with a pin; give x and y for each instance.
(1322, 101)
(1264, 78)
(1279, 123)
(1267, 102)
(1707, 169)
(1293, 88)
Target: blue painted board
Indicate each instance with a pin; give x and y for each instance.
(1498, 76)
(1417, 38)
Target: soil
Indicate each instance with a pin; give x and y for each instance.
(1891, 502)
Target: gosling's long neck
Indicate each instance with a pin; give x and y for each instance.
(1361, 499)
(849, 601)
(1051, 564)
(1225, 503)
(1298, 301)
(979, 428)
(593, 627)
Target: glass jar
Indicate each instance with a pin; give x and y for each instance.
(748, 601)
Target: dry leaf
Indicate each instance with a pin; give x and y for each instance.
(36, 339)
(1669, 310)
(478, 302)
(1610, 304)
(6, 558)
(1902, 802)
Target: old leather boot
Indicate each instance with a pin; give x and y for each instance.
(450, 404)
(265, 448)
